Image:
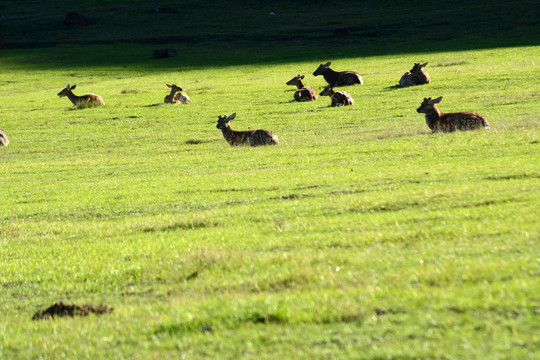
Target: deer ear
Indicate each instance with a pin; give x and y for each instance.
(301, 77)
(423, 65)
(73, 87)
(168, 85)
(437, 100)
(328, 63)
(231, 117)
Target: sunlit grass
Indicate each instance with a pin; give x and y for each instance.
(362, 235)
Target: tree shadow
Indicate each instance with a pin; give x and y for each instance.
(125, 34)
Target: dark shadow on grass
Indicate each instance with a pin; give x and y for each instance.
(124, 33)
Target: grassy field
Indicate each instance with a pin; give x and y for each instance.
(361, 236)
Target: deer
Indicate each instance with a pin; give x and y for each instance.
(250, 137)
(339, 98)
(417, 76)
(304, 93)
(88, 99)
(439, 121)
(176, 96)
(342, 78)
(4, 141)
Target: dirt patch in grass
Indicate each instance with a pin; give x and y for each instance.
(60, 309)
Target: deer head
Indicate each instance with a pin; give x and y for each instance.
(329, 89)
(295, 81)
(223, 121)
(321, 69)
(428, 105)
(418, 67)
(174, 87)
(66, 90)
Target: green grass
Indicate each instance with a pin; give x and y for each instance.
(362, 235)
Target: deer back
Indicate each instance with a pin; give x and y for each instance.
(263, 137)
(4, 141)
(182, 98)
(92, 99)
(463, 121)
(409, 79)
(305, 94)
(341, 98)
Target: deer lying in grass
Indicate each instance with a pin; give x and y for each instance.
(342, 78)
(176, 96)
(417, 76)
(304, 93)
(250, 137)
(439, 121)
(88, 100)
(4, 141)
(339, 98)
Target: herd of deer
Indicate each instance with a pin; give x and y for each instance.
(435, 119)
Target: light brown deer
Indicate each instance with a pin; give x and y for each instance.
(339, 98)
(341, 78)
(304, 93)
(89, 99)
(417, 76)
(439, 121)
(4, 141)
(176, 96)
(250, 137)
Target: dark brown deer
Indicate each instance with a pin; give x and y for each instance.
(438, 121)
(342, 78)
(339, 98)
(304, 93)
(417, 76)
(250, 137)
(4, 141)
(176, 95)
(89, 99)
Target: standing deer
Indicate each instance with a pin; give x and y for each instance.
(304, 93)
(439, 121)
(417, 76)
(89, 99)
(342, 78)
(339, 98)
(176, 96)
(250, 137)
(4, 141)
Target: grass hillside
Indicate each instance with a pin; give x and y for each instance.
(361, 236)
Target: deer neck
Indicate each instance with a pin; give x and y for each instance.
(228, 133)
(171, 95)
(300, 84)
(73, 98)
(330, 92)
(423, 76)
(432, 116)
(330, 75)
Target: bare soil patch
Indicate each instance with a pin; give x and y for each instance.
(60, 309)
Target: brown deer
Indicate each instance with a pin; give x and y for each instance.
(89, 99)
(176, 96)
(4, 141)
(417, 76)
(250, 137)
(339, 98)
(439, 121)
(304, 93)
(342, 78)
